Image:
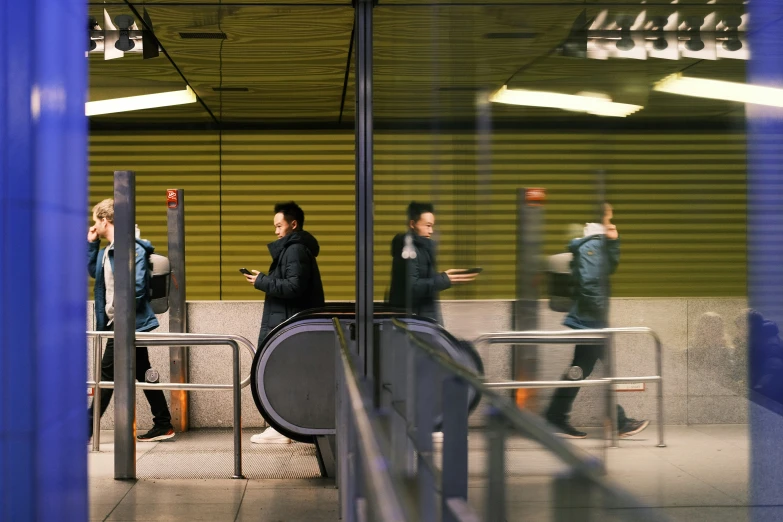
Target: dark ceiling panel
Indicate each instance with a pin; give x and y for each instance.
(429, 61)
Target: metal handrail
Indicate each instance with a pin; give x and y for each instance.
(533, 426)
(373, 464)
(591, 336)
(177, 339)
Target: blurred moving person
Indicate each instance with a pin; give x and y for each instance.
(415, 251)
(100, 266)
(292, 285)
(416, 282)
(595, 257)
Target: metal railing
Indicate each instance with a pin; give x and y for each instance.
(177, 339)
(376, 486)
(603, 336)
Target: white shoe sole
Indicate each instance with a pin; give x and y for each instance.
(276, 440)
(159, 437)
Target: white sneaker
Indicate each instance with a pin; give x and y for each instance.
(270, 436)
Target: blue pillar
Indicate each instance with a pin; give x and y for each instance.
(765, 260)
(43, 218)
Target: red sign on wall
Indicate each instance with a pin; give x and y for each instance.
(171, 198)
(535, 196)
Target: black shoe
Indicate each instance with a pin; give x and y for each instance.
(632, 427)
(156, 433)
(563, 429)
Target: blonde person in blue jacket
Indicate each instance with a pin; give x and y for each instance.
(100, 265)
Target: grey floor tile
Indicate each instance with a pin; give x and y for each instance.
(99, 511)
(272, 505)
(697, 514)
(106, 490)
(226, 491)
(314, 483)
(134, 511)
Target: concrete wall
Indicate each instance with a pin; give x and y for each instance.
(702, 358)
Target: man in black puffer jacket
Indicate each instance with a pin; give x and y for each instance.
(292, 285)
(416, 281)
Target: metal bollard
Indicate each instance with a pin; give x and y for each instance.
(455, 445)
(425, 410)
(97, 343)
(400, 443)
(496, 496)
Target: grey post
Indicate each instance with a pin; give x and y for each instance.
(611, 396)
(401, 453)
(237, 411)
(341, 411)
(659, 367)
(496, 496)
(124, 324)
(97, 344)
(530, 223)
(425, 410)
(178, 317)
(455, 445)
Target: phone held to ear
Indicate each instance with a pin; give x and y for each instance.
(246, 271)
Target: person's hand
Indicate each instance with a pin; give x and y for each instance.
(252, 278)
(92, 234)
(457, 276)
(611, 230)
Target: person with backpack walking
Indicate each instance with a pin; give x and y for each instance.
(595, 257)
(100, 266)
(292, 285)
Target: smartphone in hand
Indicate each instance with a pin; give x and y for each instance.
(246, 271)
(474, 270)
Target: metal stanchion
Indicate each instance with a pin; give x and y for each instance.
(178, 355)
(496, 495)
(455, 445)
(425, 410)
(124, 325)
(96, 394)
(611, 397)
(237, 412)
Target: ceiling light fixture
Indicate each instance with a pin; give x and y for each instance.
(600, 105)
(720, 90)
(137, 103)
(126, 24)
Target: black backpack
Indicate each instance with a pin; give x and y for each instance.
(561, 282)
(158, 277)
(159, 281)
(577, 271)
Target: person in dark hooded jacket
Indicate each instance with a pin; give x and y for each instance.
(416, 281)
(292, 285)
(100, 265)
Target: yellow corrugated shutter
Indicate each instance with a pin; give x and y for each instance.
(679, 200)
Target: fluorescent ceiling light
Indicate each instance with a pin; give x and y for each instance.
(137, 103)
(719, 90)
(600, 105)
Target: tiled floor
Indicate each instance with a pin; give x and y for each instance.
(701, 475)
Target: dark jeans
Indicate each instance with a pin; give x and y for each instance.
(160, 410)
(585, 356)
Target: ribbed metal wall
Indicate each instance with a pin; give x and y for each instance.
(679, 202)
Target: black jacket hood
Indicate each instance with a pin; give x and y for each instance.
(398, 243)
(302, 237)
